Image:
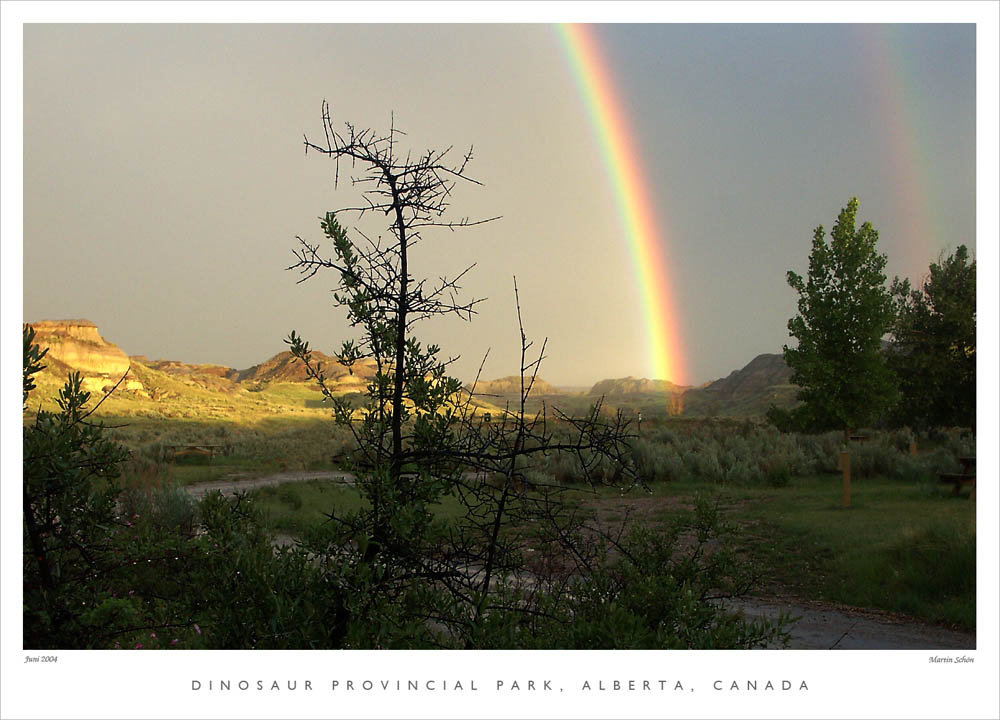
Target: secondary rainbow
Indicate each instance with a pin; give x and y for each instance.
(918, 229)
(639, 218)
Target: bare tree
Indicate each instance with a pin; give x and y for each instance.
(400, 572)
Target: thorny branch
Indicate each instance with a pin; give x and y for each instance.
(418, 418)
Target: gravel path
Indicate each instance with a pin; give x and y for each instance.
(820, 627)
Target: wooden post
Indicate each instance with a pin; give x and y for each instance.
(845, 465)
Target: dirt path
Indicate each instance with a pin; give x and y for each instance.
(236, 483)
(820, 626)
(826, 627)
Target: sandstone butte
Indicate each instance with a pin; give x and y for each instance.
(78, 345)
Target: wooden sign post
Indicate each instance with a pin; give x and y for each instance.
(845, 465)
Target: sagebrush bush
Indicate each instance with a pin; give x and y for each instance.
(160, 509)
(743, 472)
(652, 461)
(749, 454)
(140, 471)
(565, 468)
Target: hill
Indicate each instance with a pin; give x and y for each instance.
(285, 368)
(746, 392)
(764, 381)
(280, 384)
(635, 386)
(174, 389)
(511, 386)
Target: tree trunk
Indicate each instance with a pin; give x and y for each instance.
(401, 308)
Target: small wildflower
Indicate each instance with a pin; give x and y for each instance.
(174, 641)
(152, 635)
(138, 646)
(197, 629)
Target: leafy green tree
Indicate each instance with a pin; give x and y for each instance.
(933, 351)
(845, 310)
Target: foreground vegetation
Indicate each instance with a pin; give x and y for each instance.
(905, 545)
(130, 560)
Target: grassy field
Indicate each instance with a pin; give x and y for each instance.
(293, 507)
(900, 547)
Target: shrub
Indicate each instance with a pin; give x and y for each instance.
(744, 473)
(704, 462)
(652, 461)
(141, 472)
(70, 470)
(777, 472)
(658, 593)
(565, 468)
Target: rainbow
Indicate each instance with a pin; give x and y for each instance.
(919, 227)
(638, 214)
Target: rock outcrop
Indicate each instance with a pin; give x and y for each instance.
(76, 345)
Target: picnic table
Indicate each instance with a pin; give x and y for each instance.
(172, 452)
(966, 477)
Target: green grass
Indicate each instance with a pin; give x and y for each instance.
(901, 547)
(188, 473)
(294, 507)
(898, 547)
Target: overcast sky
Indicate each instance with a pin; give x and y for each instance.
(165, 179)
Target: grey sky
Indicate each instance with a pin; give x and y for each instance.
(165, 180)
